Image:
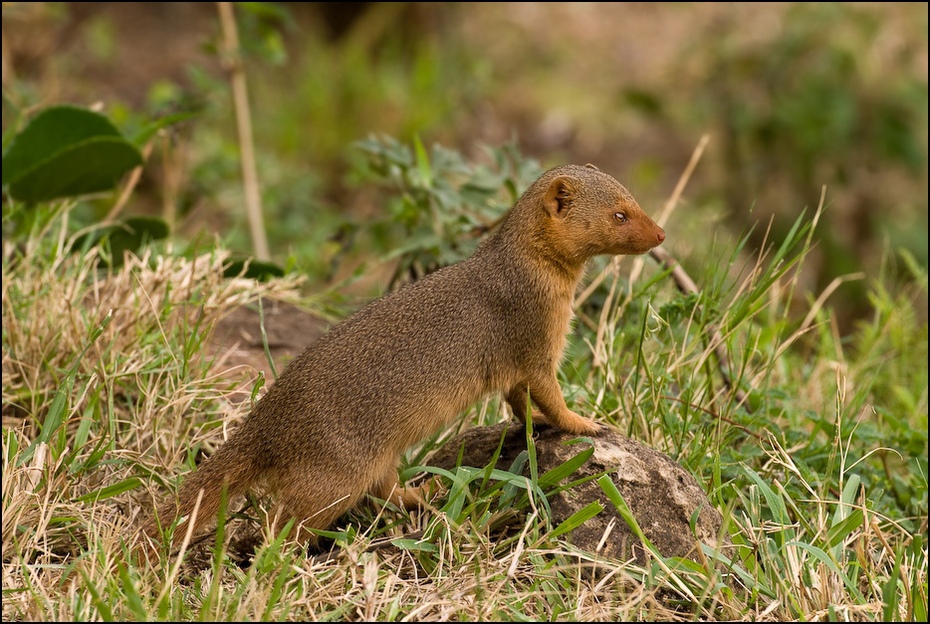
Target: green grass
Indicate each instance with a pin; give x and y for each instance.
(109, 397)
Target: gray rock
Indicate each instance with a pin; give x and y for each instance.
(662, 495)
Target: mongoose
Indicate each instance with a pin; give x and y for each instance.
(332, 428)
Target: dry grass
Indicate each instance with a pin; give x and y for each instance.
(105, 385)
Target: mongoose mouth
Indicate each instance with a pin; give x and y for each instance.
(653, 241)
(660, 236)
(639, 245)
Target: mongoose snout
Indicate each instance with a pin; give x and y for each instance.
(332, 428)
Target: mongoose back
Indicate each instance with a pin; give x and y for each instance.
(332, 428)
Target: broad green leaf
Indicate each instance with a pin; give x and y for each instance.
(50, 130)
(89, 167)
(254, 269)
(66, 151)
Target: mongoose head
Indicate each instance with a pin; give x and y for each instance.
(589, 213)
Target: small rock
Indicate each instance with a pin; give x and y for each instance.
(662, 495)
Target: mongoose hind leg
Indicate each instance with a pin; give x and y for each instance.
(388, 488)
(311, 508)
(516, 398)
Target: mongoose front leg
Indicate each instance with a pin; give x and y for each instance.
(547, 394)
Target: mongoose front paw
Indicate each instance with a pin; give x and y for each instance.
(579, 425)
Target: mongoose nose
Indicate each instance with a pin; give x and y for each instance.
(661, 235)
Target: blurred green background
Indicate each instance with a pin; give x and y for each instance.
(795, 97)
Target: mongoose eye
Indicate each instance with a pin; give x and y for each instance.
(620, 217)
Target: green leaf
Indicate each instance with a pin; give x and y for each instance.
(99, 601)
(90, 167)
(254, 269)
(10, 444)
(415, 545)
(146, 133)
(828, 561)
(458, 493)
(131, 592)
(773, 501)
(128, 235)
(610, 489)
(51, 129)
(423, 166)
(66, 151)
(890, 590)
(616, 497)
(841, 530)
(752, 582)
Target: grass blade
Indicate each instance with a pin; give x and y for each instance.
(577, 519)
(555, 475)
(828, 561)
(110, 491)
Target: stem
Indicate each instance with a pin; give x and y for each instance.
(232, 60)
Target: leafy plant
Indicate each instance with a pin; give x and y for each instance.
(69, 152)
(441, 203)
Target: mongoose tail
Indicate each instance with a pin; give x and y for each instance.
(228, 473)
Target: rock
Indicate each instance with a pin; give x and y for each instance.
(662, 495)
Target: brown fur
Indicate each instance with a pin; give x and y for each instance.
(332, 428)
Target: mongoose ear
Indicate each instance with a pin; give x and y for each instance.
(590, 166)
(559, 196)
